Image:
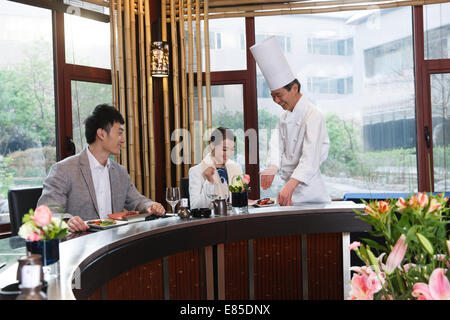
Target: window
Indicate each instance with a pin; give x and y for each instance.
(87, 42)
(393, 57)
(371, 116)
(226, 38)
(440, 104)
(343, 47)
(330, 85)
(285, 41)
(85, 97)
(436, 22)
(27, 103)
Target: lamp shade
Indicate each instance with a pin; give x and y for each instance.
(160, 59)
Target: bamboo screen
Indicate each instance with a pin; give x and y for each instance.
(187, 81)
(133, 88)
(253, 8)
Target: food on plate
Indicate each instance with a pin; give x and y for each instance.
(265, 201)
(103, 223)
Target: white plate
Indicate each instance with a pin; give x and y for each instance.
(266, 205)
(96, 226)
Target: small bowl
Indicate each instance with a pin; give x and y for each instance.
(206, 212)
(201, 212)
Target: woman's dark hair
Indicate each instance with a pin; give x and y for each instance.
(288, 87)
(104, 116)
(221, 133)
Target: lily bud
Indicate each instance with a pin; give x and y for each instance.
(396, 256)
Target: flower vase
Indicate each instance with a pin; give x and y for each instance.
(49, 250)
(239, 202)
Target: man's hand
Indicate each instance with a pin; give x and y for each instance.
(267, 176)
(208, 174)
(76, 224)
(285, 195)
(157, 209)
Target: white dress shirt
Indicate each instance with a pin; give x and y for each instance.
(298, 146)
(100, 178)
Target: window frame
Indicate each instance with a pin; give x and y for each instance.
(64, 74)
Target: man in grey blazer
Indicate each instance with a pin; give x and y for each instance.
(90, 185)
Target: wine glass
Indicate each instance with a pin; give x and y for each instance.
(212, 191)
(173, 196)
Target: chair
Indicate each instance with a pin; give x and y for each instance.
(20, 202)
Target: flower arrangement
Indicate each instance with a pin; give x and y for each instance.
(40, 225)
(413, 234)
(240, 184)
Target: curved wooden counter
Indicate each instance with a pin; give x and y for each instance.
(89, 262)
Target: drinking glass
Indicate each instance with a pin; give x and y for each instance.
(212, 192)
(173, 196)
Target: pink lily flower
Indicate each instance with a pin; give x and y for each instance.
(423, 199)
(360, 288)
(396, 256)
(370, 209)
(401, 204)
(383, 206)
(437, 289)
(364, 284)
(434, 205)
(354, 245)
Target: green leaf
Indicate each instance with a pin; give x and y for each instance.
(373, 260)
(374, 244)
(425, 243)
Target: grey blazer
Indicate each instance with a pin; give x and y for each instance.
(69, 185)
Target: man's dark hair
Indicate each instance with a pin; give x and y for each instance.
(288, 87)
(104, 116)
(220, 134)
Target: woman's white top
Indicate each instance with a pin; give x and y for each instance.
(198, 184)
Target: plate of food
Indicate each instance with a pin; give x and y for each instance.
(105, 223)
(265, 202)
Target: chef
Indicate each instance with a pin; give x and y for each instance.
(299, 144)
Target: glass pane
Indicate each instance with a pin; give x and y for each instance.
(359, 73)
(85, 97)
(228, 111)
(436, 24)
(87, 42)
(226, 44)
(440, 104)
(27, 103)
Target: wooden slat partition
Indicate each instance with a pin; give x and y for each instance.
(236, 271)
(133, 89)
(186, 279)
(324, 266)
(278, 273)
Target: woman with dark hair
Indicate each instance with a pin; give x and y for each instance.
(216, 170)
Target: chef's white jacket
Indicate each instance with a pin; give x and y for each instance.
(298, 146)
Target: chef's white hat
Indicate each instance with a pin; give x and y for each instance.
(272, 62)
